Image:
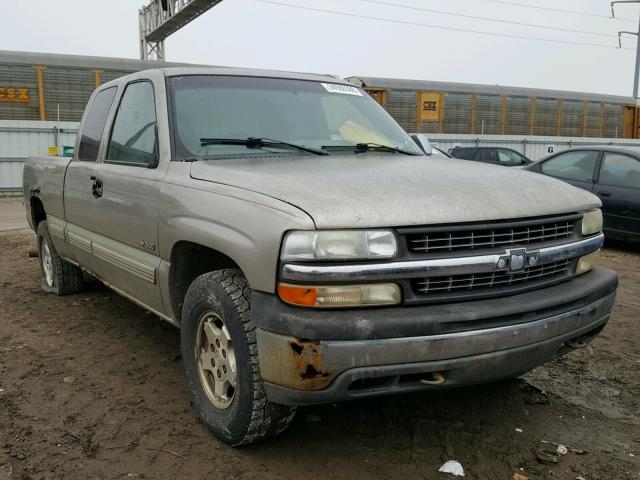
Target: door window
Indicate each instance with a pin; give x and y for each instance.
(133, 138)
(620, 170)
(488, 155)
(463, 153)
(509, 157)
(577, 165)
(94, 124)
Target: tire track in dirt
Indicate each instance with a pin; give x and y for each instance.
(93, 387)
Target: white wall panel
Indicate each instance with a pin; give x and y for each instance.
(20, 139)
(534, 147)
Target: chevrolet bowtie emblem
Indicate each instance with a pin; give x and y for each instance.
(517, 259)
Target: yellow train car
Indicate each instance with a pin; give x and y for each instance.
(38, 86)
(442, 107)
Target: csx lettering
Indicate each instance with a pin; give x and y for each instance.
(429, 106)
(14, 95)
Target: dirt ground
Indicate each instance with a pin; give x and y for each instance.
(12, 216)
(91, 386)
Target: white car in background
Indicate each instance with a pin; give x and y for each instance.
(427, 147)
(436, 152)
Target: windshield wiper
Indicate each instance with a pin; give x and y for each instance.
(257, 142)
(365, 147)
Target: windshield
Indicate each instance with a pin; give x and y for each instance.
(307, 113)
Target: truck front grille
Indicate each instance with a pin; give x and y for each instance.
(461, 240)
(538, 275)
(489, 236)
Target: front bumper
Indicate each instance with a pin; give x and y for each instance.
(309, 357)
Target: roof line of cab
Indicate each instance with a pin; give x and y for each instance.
(226, 71)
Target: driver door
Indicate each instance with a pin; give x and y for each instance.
(577, 167)
(126, 244)
(619, 189)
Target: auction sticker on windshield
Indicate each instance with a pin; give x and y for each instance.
(338, 88)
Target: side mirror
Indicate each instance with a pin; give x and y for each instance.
(423, 142)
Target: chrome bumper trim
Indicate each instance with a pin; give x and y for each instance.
(433, 268)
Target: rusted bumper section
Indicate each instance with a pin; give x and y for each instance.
(308, 371)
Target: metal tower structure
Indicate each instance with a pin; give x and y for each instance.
(636, 73)
(161, 18)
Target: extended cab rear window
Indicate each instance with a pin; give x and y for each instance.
(94, 124)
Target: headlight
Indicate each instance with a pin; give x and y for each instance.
(338, 296)
(339, 245)
(592, 222)
(586, 263)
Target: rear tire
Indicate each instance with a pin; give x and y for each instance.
(220, 358)
(58, 276)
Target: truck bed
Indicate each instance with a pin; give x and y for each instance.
(43, 178)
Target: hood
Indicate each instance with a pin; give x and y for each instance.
(392, 190)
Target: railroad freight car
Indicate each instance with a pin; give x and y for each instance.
(441, 107)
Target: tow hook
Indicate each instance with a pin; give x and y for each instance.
(576, 343)
(438, 379)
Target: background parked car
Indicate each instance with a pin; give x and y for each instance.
(496, 155)
(612, 173)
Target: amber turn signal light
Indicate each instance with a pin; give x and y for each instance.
(298, 295)
(336, 296)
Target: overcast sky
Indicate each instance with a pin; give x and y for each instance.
(252, 33)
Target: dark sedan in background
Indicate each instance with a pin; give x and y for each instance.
(495, 155)
(612, 173)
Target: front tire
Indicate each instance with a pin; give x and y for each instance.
(220, 358)
(58, 276)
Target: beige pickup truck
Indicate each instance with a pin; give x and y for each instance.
(310, 250)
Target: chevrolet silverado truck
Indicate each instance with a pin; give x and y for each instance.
(307, 248)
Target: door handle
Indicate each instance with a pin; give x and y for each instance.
(96, 187)
(604, 194)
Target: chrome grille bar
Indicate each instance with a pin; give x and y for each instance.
(442, 267)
